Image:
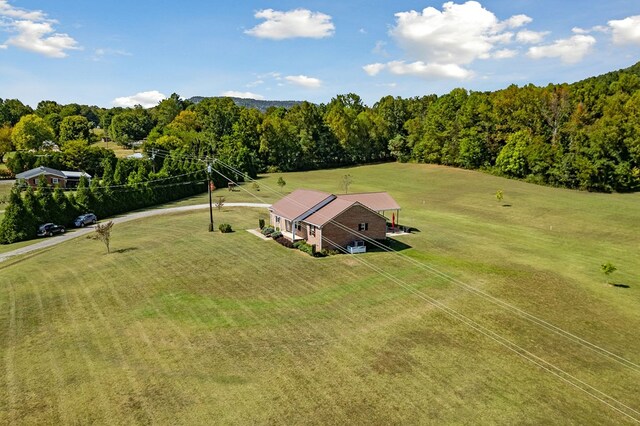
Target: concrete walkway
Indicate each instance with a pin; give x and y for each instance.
(75, 233)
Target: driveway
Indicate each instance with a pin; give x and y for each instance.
(49, 242)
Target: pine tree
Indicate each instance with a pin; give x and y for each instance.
(18, 223)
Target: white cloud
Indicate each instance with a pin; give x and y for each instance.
(246, 95)
(531, 37)
(458, 35)
(504, 54)
(379, 48)
(439, 44)
(373, 69)
(597, 28)
(292, 24)
(34, 32)
(255, 83)
(570, 50)
(517, 21)
(304, 81)
(99, 54)
(626, 31)
(420, 69)
(145, 99)
(17, 13)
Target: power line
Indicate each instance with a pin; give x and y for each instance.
(520, 312)
(474, 290)
(549, 367)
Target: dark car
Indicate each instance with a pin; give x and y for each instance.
(85, 219)
(48, 229)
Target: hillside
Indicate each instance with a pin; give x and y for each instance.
(244, 331)
(259, 104)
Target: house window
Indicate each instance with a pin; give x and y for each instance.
(312, 231)
(363, 226)
(55, 181)
(277, 219)
(298, 226)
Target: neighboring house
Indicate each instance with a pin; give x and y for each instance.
(54, 177)
(330, 221)
(136, 156)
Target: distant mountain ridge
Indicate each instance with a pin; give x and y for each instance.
(258, 104)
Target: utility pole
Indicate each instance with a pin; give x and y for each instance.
(210, 201)
(153, 159)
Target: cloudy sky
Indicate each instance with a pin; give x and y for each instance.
(124, 53)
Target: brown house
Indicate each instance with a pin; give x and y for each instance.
(53, 177)
(330, 221)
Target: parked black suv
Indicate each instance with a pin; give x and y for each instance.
(85, 219)
(48, 229)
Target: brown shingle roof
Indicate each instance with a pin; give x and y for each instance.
(299, 202)
(328, 212)
(376, 201)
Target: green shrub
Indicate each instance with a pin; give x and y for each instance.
(267, 231)
(261, 223)
(285, 242)
(308, 248)
(276, 234)
(6, 174)
(225, 228)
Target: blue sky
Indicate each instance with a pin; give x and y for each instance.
(111, 52)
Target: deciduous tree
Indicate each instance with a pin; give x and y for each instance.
(30, 132)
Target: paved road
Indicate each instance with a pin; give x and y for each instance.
(49, 242)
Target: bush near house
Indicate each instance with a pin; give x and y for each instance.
(267, 231)
(225, 228)
(284, 242)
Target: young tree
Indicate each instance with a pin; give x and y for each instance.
(220, 202)
(103, 233)
(499, 195)
(607, 269)
(281, 182)
(347, 180)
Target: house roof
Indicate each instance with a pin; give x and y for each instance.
(319, 208)
(376, 201)
(28, 174)
(75, 175)
(299, 202)
(328, 212)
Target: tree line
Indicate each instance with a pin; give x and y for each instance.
(123, 185)
(583, 135)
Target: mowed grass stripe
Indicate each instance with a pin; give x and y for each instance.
(11, 386)
(58, 402)
(135, 296)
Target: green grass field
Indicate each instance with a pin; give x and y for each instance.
(178, 325)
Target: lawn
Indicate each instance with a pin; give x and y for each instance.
(119, 150)
(179, 325)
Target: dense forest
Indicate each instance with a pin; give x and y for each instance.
(584, 135)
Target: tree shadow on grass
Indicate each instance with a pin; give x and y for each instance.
(125, 250)
(620, 285)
